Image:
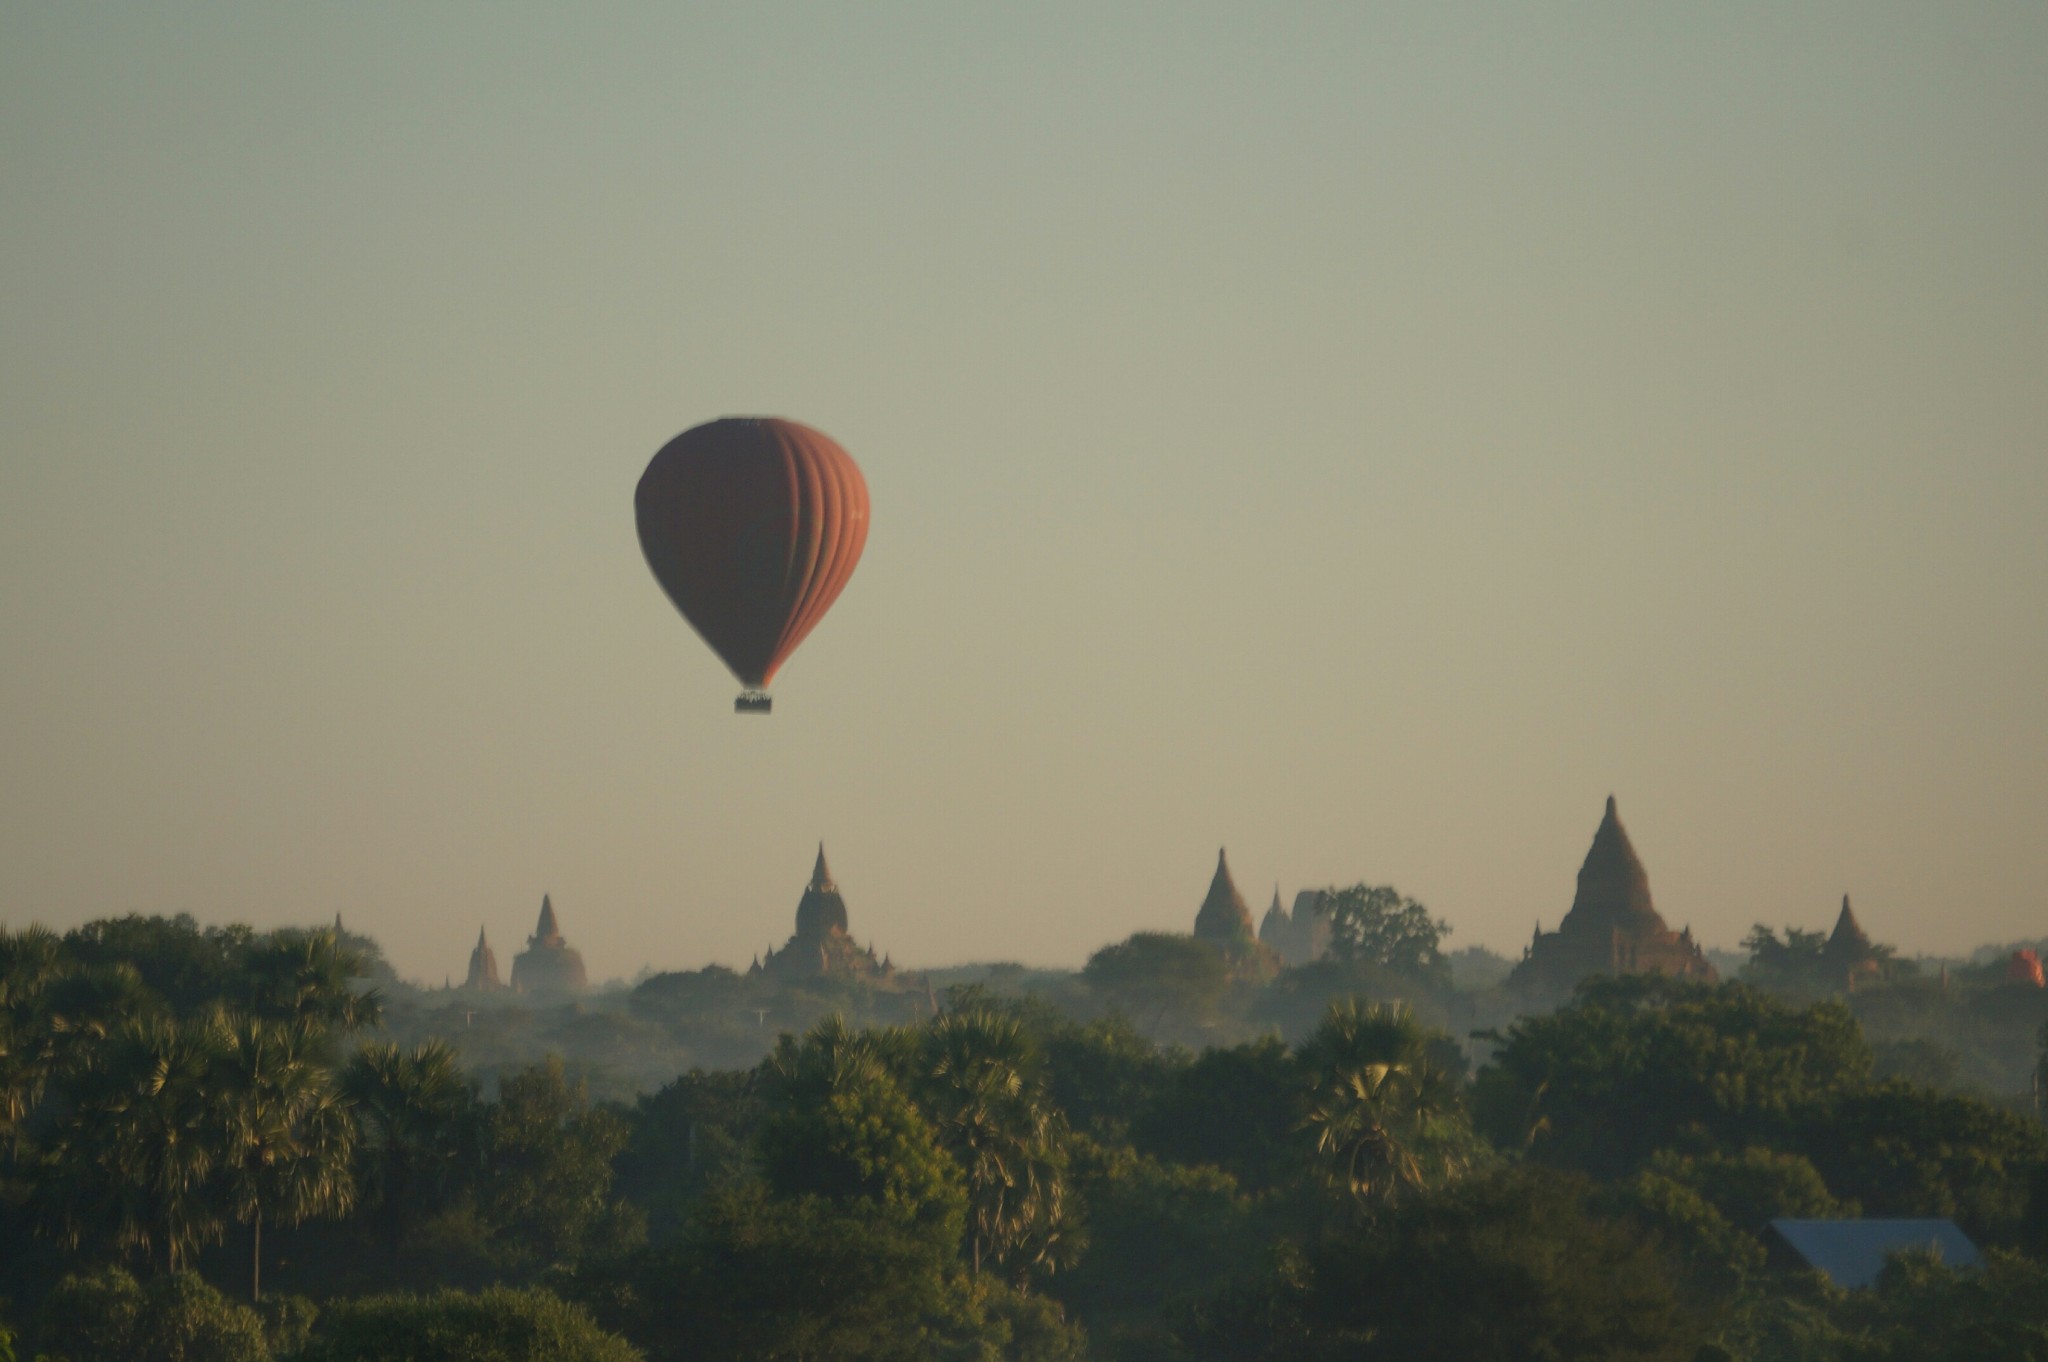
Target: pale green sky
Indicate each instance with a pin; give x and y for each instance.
(1361, 435)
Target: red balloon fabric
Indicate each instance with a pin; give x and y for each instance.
(752, 525)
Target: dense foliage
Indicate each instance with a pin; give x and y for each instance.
(194, 1119)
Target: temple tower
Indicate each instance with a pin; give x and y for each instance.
(549, 964)
(1613, 927)
(1849, 957)
(483, 965)
(1223, 919)
(823, 943)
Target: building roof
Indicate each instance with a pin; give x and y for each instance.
(1852, 1252)
(1614, 889)
(1223, 916)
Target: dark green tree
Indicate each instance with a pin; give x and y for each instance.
(498, 1324)
(306, 976)
(108, 1316)
(1905, 1151)
(1640, 1063)
(1164, 983)
(1238, 1108)
(1503, 1268)
(545, 1187)
(1106, 1075)
(418, 1145)
(286, 1138)
(980, 1081)
(1382, 1108)
(139, 1155)
(1380, 925)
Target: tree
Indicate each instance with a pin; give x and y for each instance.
(286, 1135)
(761, 1275)
(1157, 978)
(419, 1131)
(838, 1125)
(692, 1135)
(1158, 1234)
(1792, 962)
(107, 1316)
(1905, 1151)
(1237, 1108)
(1105, 1075)
(30, 960)
(498, 1324)
(547, 1171)
(139, 1153)
(1508, 1267)
(1379, 924)
(982, 1086)
(188, 968)
(1921, 1311)
(1640, 1062)
(1382, 1109)
(846, 1247)
(306, 976)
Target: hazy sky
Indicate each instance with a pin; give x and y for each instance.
(1361, 435)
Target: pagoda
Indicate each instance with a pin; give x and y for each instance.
(1849, 958)
(1612, 928)
(1301, 935)
(822, 945)
(1223, 921)
(549, 964)
(483, 966)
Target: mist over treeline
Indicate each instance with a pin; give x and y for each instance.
(266, 1145)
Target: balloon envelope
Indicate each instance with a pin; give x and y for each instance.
(752, 525)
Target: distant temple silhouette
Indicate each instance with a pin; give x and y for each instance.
(1225, 923)
(548, 964)
(1300, 936)
(1223, 920)
(823, 945)
(1849, 958)
(483, 966)
(1612, 928)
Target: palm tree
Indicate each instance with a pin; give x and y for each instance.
(981, 1085)
(30, 960)
(307, 976)
(1384, 1114)
(416, 1114)
(286, 1136)
(139, 1150)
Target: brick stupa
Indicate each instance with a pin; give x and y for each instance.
(483, 966)
(1849, 958)
(549, 964)
(822, 945)
(1612, 928)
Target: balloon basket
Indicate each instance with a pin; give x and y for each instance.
(753, 702)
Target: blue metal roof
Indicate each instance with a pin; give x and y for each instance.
(1853, 1252)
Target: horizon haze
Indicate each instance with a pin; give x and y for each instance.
(1364, 438)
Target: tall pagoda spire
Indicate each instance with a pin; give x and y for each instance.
(1614, 889)
(1223, 917)
(549, 931)
(1849, 945)
(822, 909)
(483, 965)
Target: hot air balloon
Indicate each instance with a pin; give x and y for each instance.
(752, 526)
